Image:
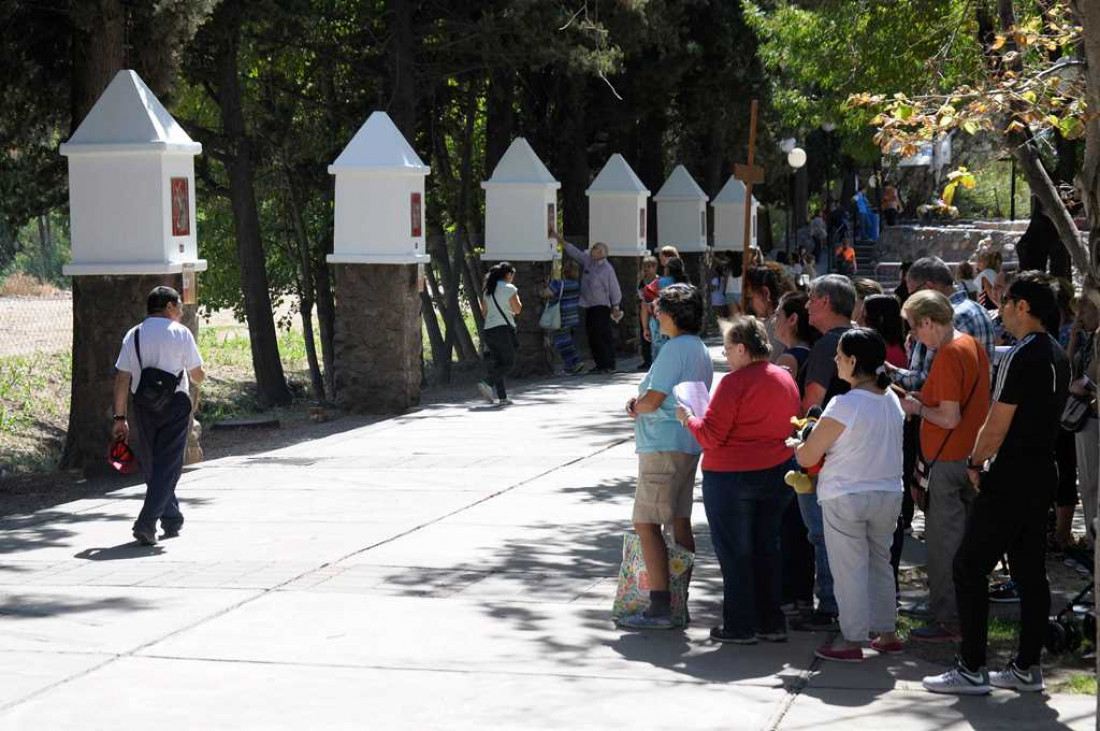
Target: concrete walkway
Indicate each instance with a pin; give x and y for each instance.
(453, 568)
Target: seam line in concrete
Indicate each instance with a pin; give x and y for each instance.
(800, 683)
(130, 653)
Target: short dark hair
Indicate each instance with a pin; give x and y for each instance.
(684, 304)
(882, 313)
(931, 269)
(159, 299)
(750, 332)
(1037, 289)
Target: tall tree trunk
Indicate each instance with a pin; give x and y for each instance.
(1088, 15)
(307, 295)
(270, 380)
(402, 60)
(98, 52)
(572, 153)
(500, 115)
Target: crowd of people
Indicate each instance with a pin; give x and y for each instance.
(911, 408)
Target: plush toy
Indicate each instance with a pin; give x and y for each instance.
(802, 480)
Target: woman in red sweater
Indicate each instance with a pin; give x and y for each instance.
(743, 435)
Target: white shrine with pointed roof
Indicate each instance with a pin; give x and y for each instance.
(521, 207)
(617, 209)
(379, 213)
(131, 186)
(682, 213)
(729, 217)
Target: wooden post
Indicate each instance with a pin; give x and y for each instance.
(749, 174)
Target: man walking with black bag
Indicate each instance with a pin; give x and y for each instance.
(157, 359)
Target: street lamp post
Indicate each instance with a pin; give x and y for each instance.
(796, 158)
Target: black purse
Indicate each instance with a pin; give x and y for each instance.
(155, 387)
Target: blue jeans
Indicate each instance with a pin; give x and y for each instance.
(815, 524)
(745, 512)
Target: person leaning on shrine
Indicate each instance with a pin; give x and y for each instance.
(157, 363)
(600, 298)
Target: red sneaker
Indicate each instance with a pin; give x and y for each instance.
(827, 652)
(888, 648)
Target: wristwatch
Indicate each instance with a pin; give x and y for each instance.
(119, 417)
(980, 466)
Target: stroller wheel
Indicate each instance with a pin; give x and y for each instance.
(1073, 634)
(1056, 637)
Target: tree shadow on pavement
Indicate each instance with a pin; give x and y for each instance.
(983, 713)
(38, 606)
(47, 529)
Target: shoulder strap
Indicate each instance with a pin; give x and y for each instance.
(137, 344)
(493, 297)
(962, 409)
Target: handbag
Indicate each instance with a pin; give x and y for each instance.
(1076, 412)
(551, 314)
(155, 387)
(922, 471)
(511, 327)
(1078, 409)
(632, 595)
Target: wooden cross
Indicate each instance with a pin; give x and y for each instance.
(750, 174)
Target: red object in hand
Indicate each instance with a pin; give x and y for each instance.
(121, 457)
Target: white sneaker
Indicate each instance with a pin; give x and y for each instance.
(486, 392)
(1013, 678)
(506, 401)
(959, 681)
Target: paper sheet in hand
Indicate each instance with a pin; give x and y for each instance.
(693, 395)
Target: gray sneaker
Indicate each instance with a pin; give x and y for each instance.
(1013, 678)
(959, 681)
(643, 622)
(486, 392)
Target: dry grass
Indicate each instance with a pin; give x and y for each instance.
(24, 285)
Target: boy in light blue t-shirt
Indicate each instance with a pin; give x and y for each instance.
(667, 453)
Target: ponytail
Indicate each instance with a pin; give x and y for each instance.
(496, 273)
(869, 350)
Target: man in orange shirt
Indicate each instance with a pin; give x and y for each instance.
(952, 405)
(846, 258)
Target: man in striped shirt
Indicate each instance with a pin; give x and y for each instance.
(1013, 468)
(971, 318)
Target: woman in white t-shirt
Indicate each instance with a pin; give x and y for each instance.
(499, 305)
(860, 491)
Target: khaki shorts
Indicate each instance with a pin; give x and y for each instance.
(666, 486)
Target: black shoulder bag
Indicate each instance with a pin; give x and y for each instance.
(511, 327)
(155, 387)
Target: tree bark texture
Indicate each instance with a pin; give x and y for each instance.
(270, 380)
(104, 309)
(98, 52)
(628, 270)
(695, 266)
(378, 338)
(402, 66)
(535, 355)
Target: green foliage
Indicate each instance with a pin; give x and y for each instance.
(818, 55)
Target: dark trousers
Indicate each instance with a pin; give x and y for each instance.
(163, 440)
(797, 557)
(502, 356)
(745, 512)
(647, 349)
(1008, 515)
(601, 340)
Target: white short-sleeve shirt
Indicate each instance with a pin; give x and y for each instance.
(500, 312)
(867, 456)
(166, 345)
